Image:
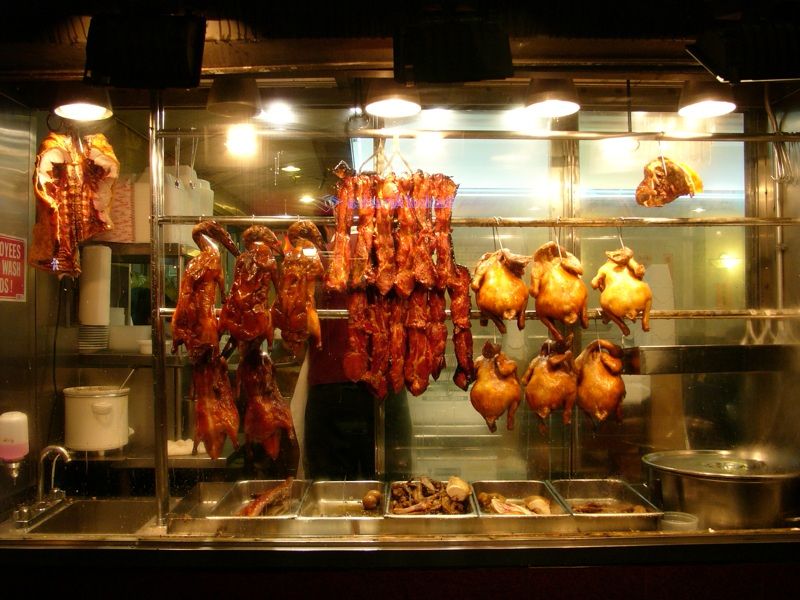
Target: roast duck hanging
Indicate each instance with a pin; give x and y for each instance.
(496, 389)
(558, 291)
(600, 385)
(551, 380)
(195, 325)
(73, 181)
(500, 292)
(623, 293)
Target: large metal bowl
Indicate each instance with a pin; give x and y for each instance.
(726, 489)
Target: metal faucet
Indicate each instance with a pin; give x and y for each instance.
(47, 451)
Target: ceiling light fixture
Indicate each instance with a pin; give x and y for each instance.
(552, 98)
(705, 99)
(388, 100)
(290, 169)
(236, 97)
(80, 102)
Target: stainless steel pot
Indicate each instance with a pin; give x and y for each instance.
(726, 489)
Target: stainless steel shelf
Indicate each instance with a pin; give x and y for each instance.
(675, 360)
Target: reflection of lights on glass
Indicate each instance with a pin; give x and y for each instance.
(309, 251)
(726, 261)
(355, 111)
(698, 210)
(613, 147)
(290, 169)
(524, 121)
(306, 199)
(241, 140)
(430, 143)
(278, 113)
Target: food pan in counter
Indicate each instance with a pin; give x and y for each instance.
(606, 505)
(549, 514)
(336, 508)
(423, 522)
(244, 492)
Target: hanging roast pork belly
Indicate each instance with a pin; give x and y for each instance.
(73, 180)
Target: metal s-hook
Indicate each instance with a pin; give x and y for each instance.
(557, 235)
(619, 235)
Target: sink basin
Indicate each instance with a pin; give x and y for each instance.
(110, 516)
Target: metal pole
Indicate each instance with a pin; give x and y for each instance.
(156, 124)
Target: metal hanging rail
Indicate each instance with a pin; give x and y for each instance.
(492, 134)
(595, 313)
(285, 220)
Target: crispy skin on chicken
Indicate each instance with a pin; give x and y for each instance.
(600, 385)
(72, 181)
(496, 389)
(556, 286)
(246, 314)
(339, 269)
(500, 292)
(460, 305)
(659, 187)
(418, 363)
(356, 355)
(387, 199)
(266, 416)
(216, 416)
(623, 294)
(194, 322)
(362, 271)
(294, 311)
(551, 381)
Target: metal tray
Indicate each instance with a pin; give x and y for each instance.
(614, 496)
(430, 524)
(558, 521)
(334, 508)
(242, 492)
(470, 513)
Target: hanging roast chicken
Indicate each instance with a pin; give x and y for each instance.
(496, 388)
(623, 294)
(665, 180)
(600, 385)
(72, 181)
(500, 292)
(556, 286)
(551, 381)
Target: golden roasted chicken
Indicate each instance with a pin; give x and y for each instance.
(246, 314)
(558, 291)
(665, 180)
(623, 293)
(72, 181)
(294, 311)
(600, 385)
(500, 292)
(496, 388)
(551, 381)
